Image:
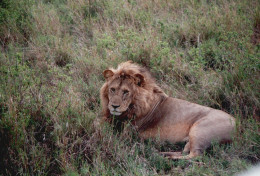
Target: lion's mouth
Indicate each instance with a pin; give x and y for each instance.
(116, 113)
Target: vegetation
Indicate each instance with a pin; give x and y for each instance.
(52, 56)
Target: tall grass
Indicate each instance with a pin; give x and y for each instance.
(52, 56)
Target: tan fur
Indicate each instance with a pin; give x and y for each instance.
(131, 92)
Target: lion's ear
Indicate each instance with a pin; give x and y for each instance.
(108, 73)
(139, 79)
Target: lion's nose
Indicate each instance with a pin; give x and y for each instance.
(115, 106)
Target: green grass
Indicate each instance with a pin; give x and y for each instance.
(53, 53)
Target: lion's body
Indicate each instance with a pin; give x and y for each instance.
(185, 121)
(131, 92)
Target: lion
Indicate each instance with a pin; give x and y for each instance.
(130, 92)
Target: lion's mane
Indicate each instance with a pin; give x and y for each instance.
(145, 94)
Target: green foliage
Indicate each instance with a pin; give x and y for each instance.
(53, 53)
(15, 20)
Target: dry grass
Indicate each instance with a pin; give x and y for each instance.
(52, 56)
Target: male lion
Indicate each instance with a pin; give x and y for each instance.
(131, 93)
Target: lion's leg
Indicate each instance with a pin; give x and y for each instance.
(190, 156)
(178, 155)
(198, 140)
(171, 154)
(206, 130)
(186, 148)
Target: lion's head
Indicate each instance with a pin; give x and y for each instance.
(128, 91)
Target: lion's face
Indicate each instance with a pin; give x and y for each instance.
(129, 91)
(120, 90)
(120, 95)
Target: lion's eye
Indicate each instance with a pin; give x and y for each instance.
(112, 90)
(125, 92)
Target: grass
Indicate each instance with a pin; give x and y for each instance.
(52, 56)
